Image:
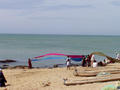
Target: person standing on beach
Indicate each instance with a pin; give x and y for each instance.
(84, 62)
(2, 79)
(88, 60)
(68, 62)
(92, 59)
(29, 63)
(118, 56)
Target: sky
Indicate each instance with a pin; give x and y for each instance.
(84, 17)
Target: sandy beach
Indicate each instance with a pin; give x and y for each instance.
(51, 79)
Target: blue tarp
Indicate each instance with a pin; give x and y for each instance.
(47, 58)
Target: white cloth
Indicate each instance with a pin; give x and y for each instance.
(93, 58)
(94, 64)
(68, 63)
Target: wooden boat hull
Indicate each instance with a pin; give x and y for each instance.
(94, 73)
(93, 80)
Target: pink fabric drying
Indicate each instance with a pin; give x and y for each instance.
(71, 56)
(50, 54)
(76, 56)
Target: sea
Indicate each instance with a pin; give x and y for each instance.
(20, 47)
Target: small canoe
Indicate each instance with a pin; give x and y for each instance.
(94, 73)
(107, 78)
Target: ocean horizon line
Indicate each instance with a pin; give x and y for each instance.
(56, 34)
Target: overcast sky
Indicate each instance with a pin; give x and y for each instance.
(94, 17)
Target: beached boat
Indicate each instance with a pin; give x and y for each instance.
(94, 73)
(106, 78)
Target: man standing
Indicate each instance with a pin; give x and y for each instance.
(2, 79)
(68, 62)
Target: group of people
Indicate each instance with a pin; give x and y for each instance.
(86, 61)
(89, 61)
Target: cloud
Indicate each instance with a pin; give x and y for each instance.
(63, 4)
(116, 3)
(36, 9)
(39, 8)
(18, 4)
(56, 16)
(43, 4)
(61, 7)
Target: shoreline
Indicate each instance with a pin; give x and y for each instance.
(52, 78)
